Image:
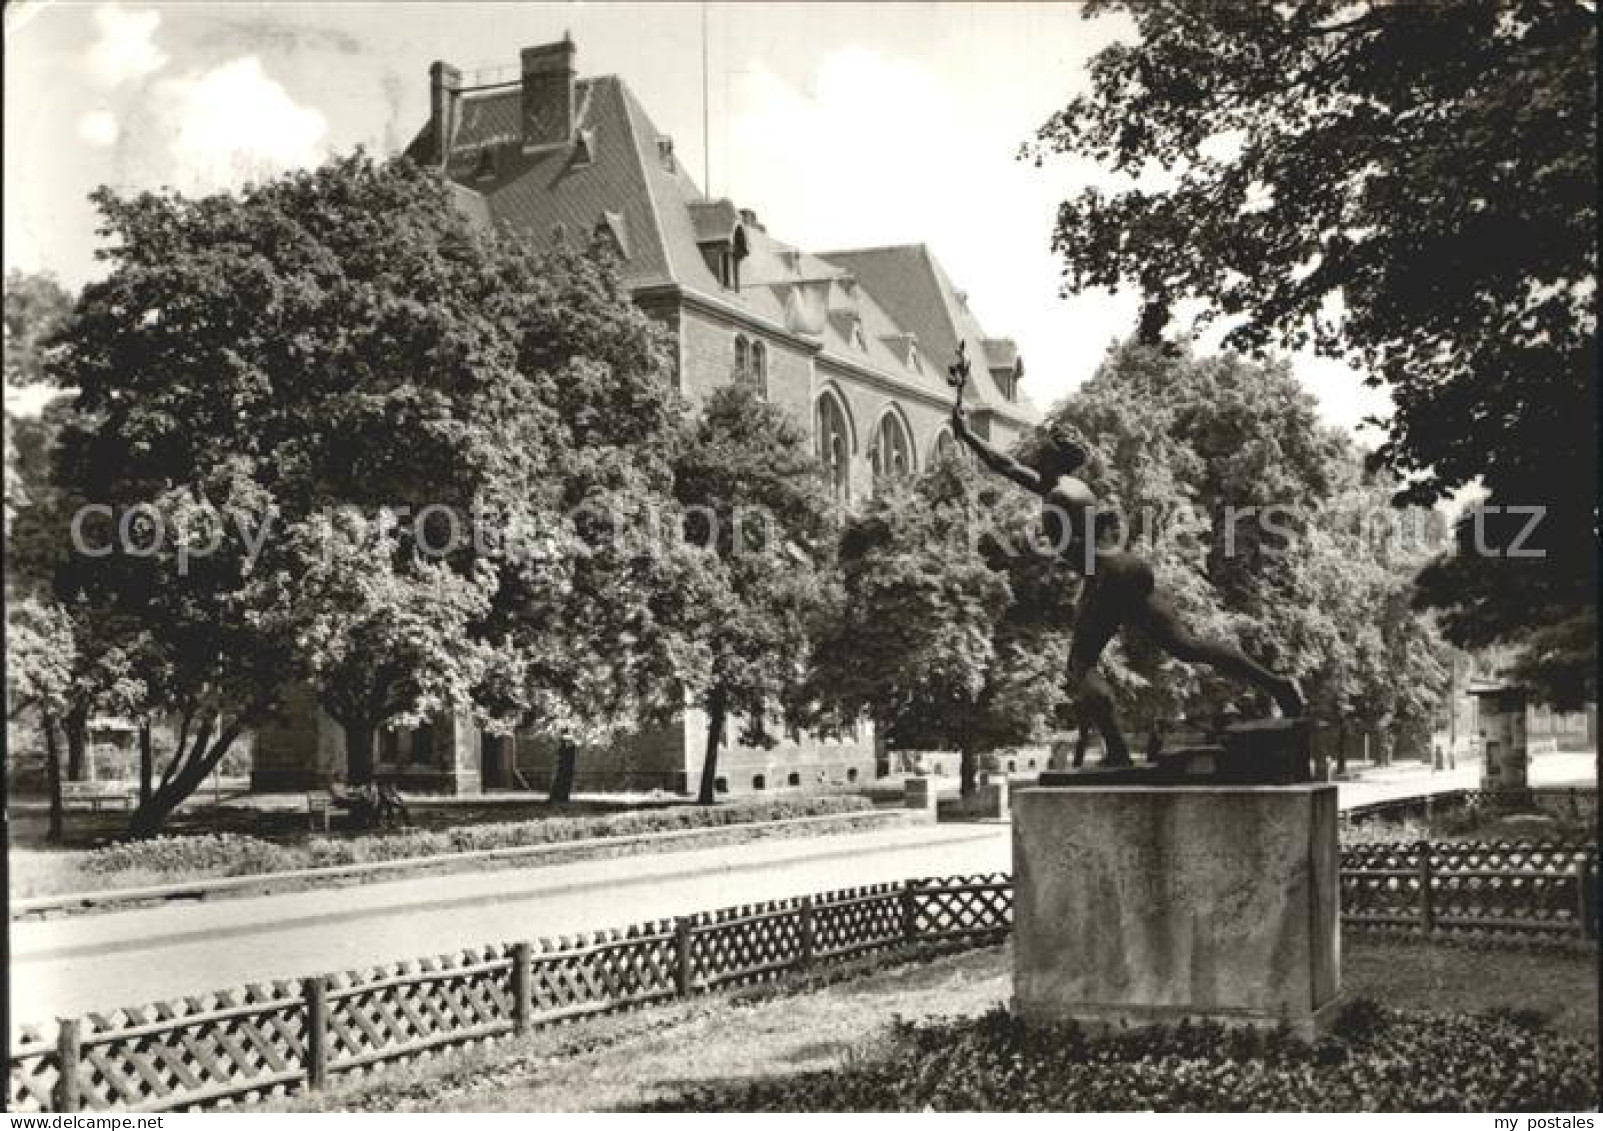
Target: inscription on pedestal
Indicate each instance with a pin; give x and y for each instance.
(1144, 904)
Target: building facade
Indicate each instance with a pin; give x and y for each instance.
(854, 341)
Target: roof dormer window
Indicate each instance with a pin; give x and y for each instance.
(584, 147)
(727, 268)
(721, 236)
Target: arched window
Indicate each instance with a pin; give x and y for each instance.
(833, 443)
(892, 453)
(759, 367)
(945, 446)
(742, 357)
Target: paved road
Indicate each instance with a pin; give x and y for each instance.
(67, 966)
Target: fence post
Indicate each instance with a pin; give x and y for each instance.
(68, 1053)
(1586, 898)
(910, 910)
(522, 962)
(684, 979)
(316, 991)
(807, 928)
(1427, 913)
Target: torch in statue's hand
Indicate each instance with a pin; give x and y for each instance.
(957, 376)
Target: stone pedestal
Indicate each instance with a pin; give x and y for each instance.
(1142, 904)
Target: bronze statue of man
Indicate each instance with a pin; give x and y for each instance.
(1120, 588)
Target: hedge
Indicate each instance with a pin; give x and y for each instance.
(1375, 1059)
(230, 854)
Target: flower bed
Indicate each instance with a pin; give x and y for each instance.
(1375, 1059)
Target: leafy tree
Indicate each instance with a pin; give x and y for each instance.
(36, 306)
(1261, 525)
(755, 496)
(328, 339)
(951, 631)
(40, 656)
(281, 372)
(599, 612)
(385, 634)
(1409, 187)
(1214, 466)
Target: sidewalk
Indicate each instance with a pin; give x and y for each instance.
(1387, 783)
(66, 966)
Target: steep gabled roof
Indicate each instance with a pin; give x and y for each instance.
(562, 188)
(616, 179)
(911, 285)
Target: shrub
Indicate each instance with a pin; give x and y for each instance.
(224, 854)
(1375, 1059)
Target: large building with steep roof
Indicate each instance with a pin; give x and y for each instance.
(856, 342)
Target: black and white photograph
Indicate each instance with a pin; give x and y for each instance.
(801, 557)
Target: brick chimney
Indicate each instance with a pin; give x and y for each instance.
(548, 96)
(445, 95)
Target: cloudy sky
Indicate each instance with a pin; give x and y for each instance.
(839, 124)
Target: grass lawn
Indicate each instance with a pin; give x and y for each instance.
(725, 1041)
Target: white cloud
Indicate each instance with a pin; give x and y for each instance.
(99, 128)
(125, 48)
(234, 123)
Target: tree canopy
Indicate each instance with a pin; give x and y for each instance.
(952, 630)
(1409, 187)
(1263, 526)
(370, 446)
(756, 497)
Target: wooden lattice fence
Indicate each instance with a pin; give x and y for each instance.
(1476, 889)
(237, 1047)
(271, 1039)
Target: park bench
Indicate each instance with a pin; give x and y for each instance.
(97, 795)
(319, 807)
(371, 806)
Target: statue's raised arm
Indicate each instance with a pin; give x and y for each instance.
(957, 376)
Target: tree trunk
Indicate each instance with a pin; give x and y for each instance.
(359, 752)
(562, 780)
(186, 774)
(76, 728)
(147, 763)
(968, 767)
(716, 715)
(54, 830)
(1341, 746)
